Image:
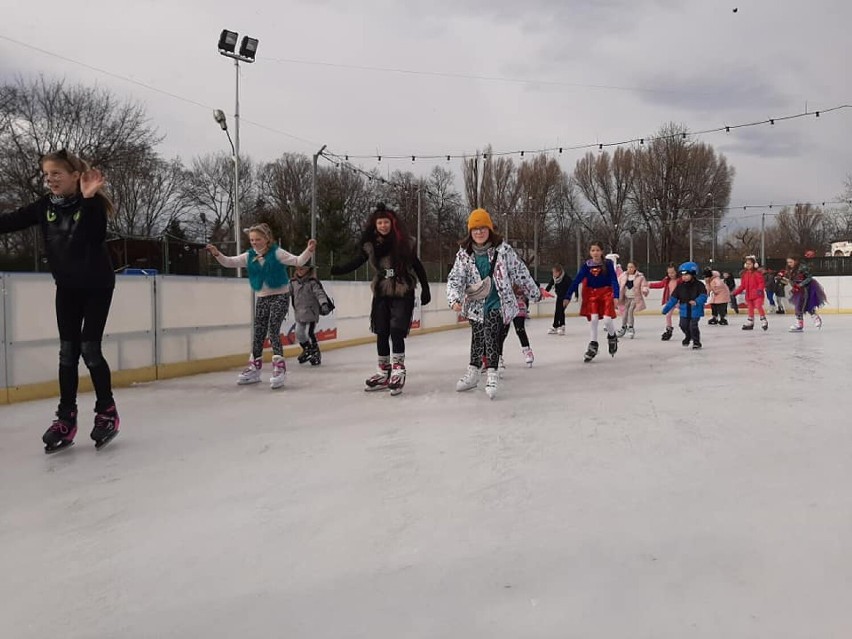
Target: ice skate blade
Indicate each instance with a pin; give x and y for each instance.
(373, 389)
(58, 448)
(395, 391)
(247, 383)
(106, 440)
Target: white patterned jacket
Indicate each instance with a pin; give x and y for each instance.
(509, 270)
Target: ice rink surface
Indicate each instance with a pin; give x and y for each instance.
(662, 493)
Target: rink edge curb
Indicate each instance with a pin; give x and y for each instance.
(147, 374)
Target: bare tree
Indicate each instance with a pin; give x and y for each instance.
(445, 215)
(743, 242)
(148, 194)
(606, 181)
(208, 193)
(802, 228)
(677, 181)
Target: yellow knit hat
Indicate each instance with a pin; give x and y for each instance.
(479, 218)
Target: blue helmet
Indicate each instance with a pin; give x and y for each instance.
(688, 267)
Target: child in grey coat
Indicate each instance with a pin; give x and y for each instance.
(309, 301)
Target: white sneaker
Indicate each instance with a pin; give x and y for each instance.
(560, 330)
(279, 369)
(491, 383)
(529, 358)
(551, 330)
(469, 380)
(251, 374)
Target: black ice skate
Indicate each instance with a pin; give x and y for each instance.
(696, 346)
(305, 355)
(612, 343)
(315, 357)
(61, 433)
(106, 427)
(667, 334)
(591, 352)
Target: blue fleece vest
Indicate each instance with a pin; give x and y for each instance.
(272, 272)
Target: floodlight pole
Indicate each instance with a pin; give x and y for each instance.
(237, 231)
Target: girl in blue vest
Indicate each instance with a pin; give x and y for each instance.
(270, 282)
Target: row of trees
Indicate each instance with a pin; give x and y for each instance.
(650, 195)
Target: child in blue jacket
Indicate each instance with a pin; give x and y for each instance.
(691, 295)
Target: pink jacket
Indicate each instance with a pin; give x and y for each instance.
(752, 283)
(717, 287)
(640, 285)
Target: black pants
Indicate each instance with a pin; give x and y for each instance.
(520, 329)
(689, 326)
(81, 315)
(720, 310)
(559, 314)
(390, 320)
(486, 339)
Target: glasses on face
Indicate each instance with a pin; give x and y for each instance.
(480, 229)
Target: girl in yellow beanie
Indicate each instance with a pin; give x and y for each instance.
(480, 288)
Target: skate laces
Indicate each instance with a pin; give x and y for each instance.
(106, 418)
(61, 426)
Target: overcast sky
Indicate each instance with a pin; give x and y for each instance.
(602, 70)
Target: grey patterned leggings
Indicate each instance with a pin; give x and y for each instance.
(269, 314)
(629, 311)
(486, 339)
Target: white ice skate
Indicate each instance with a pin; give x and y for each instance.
(622, 331)
(631, 332)
(560, 330)
(279, 369)
(552, 330)
(397, 377)
(501, 367)
(251, 374)
(797, 327)
(817, 321)
(491, 383)
(529, 358)
(764, 324)
(469, 380)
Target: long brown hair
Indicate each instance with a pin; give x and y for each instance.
(76, 164)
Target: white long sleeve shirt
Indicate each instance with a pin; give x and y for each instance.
(288, 259)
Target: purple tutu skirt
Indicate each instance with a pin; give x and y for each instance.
(809, 298)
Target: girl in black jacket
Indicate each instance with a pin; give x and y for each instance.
(73, 219)
(562, 281)
(389, 249)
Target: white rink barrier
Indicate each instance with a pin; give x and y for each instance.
(165, 326)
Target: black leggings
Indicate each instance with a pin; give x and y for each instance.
(559, 314)
(81, 315)
(390, 320)
(520, 329)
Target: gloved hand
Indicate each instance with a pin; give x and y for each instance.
(425, 297)
(325, 308)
